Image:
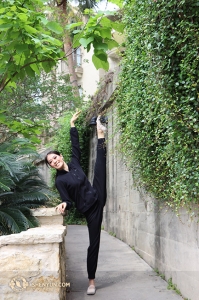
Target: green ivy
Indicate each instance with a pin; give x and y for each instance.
(158, 98)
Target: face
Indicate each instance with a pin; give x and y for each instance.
(56, 161)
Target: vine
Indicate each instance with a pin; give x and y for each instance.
(158, 98)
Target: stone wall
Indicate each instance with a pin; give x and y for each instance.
(32, 263)
(166, 242)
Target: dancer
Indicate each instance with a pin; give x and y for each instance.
(73, 185)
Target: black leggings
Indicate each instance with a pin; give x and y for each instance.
(95, 213)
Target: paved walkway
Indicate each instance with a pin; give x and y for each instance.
(121, 273)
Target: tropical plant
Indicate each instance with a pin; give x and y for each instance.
(21, 188)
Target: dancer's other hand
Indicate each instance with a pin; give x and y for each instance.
(61, 207)
(74, 118)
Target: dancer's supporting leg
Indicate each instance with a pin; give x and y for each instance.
(95, 214)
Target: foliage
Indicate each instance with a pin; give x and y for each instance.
(32, 103)
(26, 46)
(29, 129)
(97, 32)
(158, 98)
(172, 286)
(21, 188)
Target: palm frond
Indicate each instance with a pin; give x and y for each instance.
(32, 221)
(8, 222)
(3, 230)
(22, 197)
(20, 222)
(9, 164)
(4, 187)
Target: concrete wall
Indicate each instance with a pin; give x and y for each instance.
(166, 242)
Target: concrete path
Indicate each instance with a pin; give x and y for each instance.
(121, 273)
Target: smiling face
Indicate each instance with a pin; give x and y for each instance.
(55, 161)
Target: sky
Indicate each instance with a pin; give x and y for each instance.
(103, 5)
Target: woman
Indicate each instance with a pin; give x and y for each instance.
(73, 184)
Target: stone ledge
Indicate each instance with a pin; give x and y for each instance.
(39, 235)
(45, 211)
(47, 216)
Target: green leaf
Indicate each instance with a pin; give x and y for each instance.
(76, 39)
(100, 46)
(19, 59)
(21, 48)
(105, 22)
(2, 118)
(55, 27)
(5, 26)
(12, 84)
(2, 10)
(100, 61)
(84, 42)
(111, 44)
(119, 3)
(105, 32)
(30, 29)
(35, 68)
(73, 25)
(22, 16)
(118, 26)
(30, 71)
(47, 66)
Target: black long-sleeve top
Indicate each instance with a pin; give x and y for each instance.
(74, 185)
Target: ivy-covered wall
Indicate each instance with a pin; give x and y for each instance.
(158, 98)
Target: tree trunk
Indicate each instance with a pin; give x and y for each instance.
(68, 49)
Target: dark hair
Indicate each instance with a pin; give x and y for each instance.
(50, 152)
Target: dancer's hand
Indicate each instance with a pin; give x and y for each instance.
(61, 207)
(74, 118)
